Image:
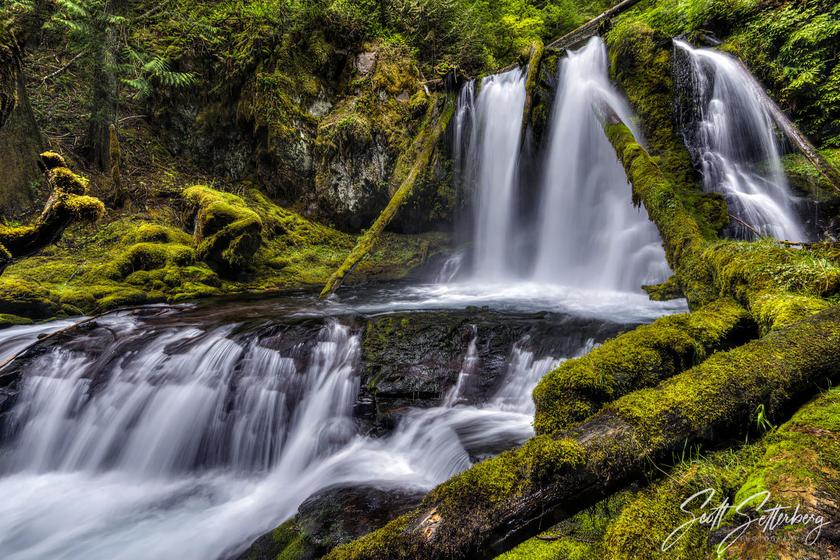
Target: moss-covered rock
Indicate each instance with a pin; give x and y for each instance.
(227, 232)
(149, 257)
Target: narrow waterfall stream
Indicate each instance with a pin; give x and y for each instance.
(492, 159)
(735, 143)
(590, 234)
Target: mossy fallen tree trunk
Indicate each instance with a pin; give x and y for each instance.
(798, 464)
(408, 168)
(67, 203)
(591, 28)
(640, 358)
(501, 501)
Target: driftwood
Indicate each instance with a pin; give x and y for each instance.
(503, 501)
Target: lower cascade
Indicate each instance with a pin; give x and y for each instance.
(734, 140)
(183, 437)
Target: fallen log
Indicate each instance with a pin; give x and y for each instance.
(640, 358)
(591, 28)
(502, 501)
(407, 170)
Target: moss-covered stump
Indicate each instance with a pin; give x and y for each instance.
(67, 203)
(501, 501)
(227, 232)
(640, 358)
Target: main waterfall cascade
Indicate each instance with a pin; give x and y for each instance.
(734, 140)
(588, 233)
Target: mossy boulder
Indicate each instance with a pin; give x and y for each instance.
(332, 517)
(227, 232)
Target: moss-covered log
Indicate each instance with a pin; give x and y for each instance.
(640, 358)
(798, 464)
(67, 203)
(778, 284)
(499, 502)
(409, 166)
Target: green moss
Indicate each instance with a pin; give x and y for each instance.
(637, 359)
(651, 515)
(137, 259)
(227, 232)
(720, 390)
(7, 320)
(805, 177)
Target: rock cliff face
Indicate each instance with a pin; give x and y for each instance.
(327, 143)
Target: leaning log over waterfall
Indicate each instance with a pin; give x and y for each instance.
(501, 501)
(640, 358)
(406, 171)
(793, 134)
(591, 28)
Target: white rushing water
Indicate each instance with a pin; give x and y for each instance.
(186, 442)
(737, 147)
(590, 233)
(493, 157)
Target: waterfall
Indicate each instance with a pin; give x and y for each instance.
(461, 130)
(492, 159)
(733, 139)
(468, 368)
(590, 235)
(182, 440)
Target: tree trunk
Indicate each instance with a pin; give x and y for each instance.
(103, 100)
(20, 142)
